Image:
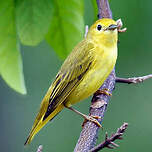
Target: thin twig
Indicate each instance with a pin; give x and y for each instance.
(86, 30)
(40, 148)
(134, 79)
(109, 141)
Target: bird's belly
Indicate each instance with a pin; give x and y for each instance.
(91, 82)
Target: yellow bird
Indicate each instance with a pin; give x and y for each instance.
(81, 74)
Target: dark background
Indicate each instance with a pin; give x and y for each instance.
(129, 103)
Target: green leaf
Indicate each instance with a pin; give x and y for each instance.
(10, 58)
(67, 26)
(33, 20)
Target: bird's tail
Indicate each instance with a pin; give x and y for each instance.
(37, 127)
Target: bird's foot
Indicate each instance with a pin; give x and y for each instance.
(92, 119)
(86, 117)
(104, 91)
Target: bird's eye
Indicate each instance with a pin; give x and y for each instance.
(99, 27)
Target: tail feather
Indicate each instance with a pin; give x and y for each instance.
(41, 124)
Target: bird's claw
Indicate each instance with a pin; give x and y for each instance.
(92, 119)
(104, 91)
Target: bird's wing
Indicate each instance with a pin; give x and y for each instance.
(70, 75)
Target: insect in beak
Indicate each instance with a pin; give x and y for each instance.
(112, 27)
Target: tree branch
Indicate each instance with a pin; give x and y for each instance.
(103, 9)
(89, 133)
(109, 142)
(134, 79)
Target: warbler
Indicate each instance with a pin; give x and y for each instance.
(81, 74)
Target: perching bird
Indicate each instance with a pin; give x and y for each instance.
(81, 74)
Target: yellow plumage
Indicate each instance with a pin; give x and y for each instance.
(82, 73)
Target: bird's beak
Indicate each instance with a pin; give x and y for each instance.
(112, 27)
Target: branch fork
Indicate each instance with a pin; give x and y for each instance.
(109, 141)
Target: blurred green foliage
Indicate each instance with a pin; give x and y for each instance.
(10, 58)
(130, 103)
(33, 19)
(29, 22)
(67, 24)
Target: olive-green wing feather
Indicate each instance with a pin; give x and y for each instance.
(70, 75)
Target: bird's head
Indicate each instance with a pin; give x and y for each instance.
(104, 31)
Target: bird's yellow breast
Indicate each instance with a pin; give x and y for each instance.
(104, 62)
